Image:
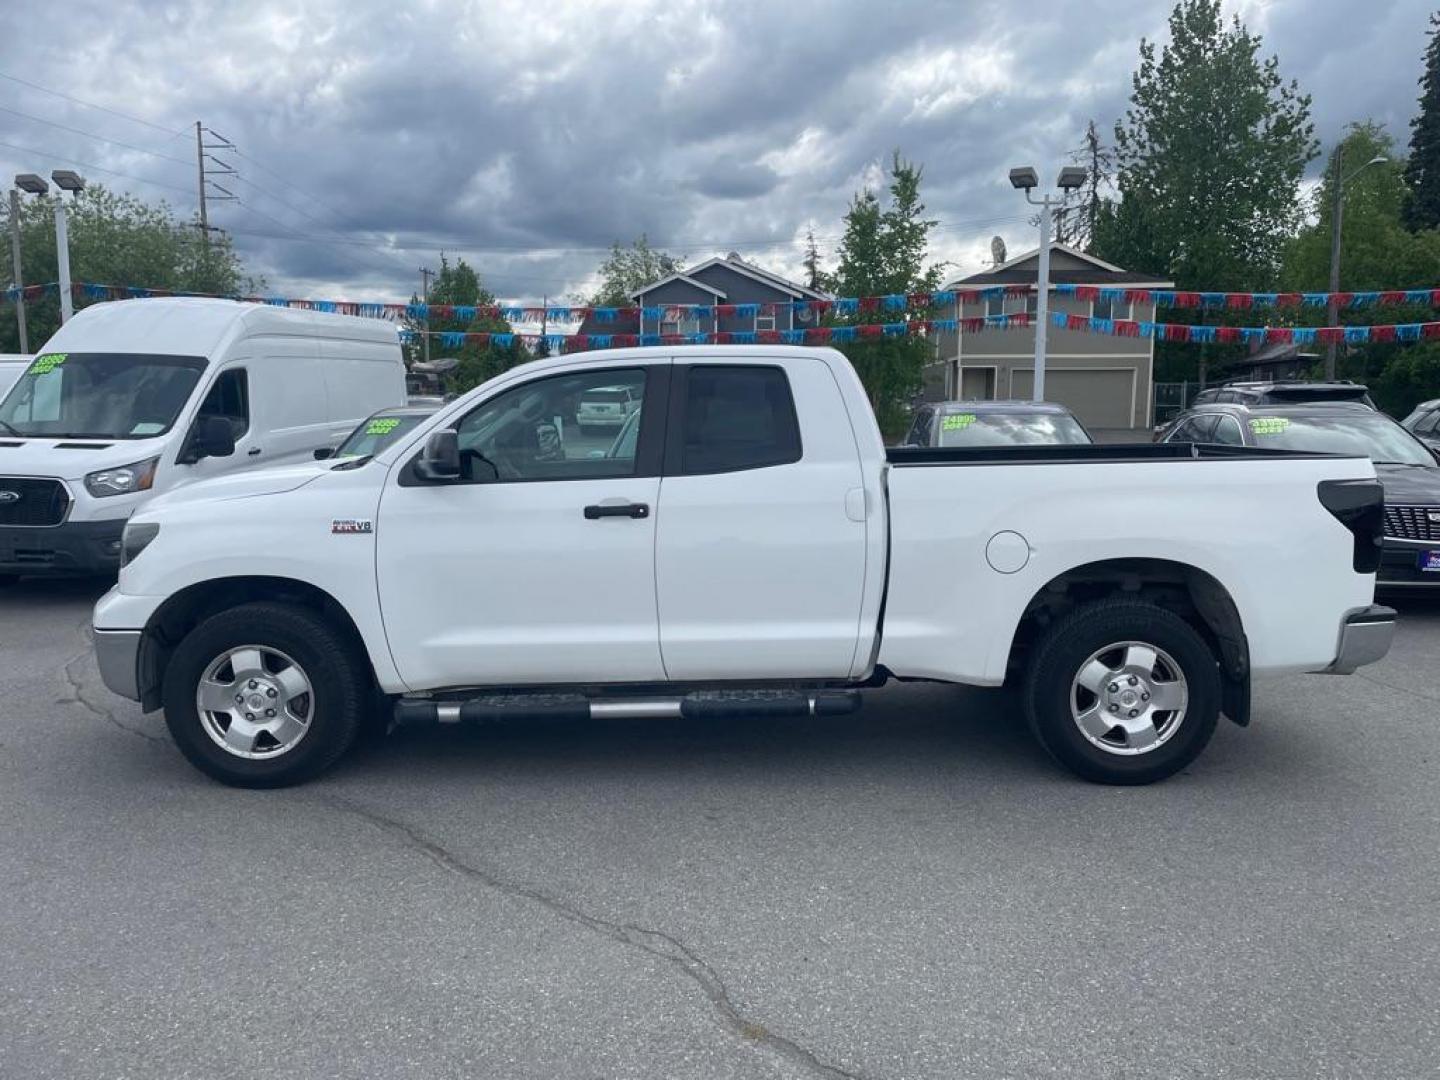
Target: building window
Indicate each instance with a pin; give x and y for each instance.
(1101, 308)
(994, 305)
(765, 322)
(680, 326)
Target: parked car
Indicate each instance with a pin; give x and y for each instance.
(378, 431)
(759, 552)
(133, 398)
(1424, 423)
(1283, 392)
(995, 423)
(12, 366)
(606, 406)
(1405, 466)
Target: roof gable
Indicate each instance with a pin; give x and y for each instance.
(686, 278)
(765, 277)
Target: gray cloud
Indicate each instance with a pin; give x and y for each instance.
(528, 136)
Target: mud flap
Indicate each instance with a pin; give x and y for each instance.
(1235, 698)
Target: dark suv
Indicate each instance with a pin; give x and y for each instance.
(1283, 393)
(1424, 423)
(1406, 467)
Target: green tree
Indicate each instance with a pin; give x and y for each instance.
(1209, 157)
(884, 251)
(1422, 174)
(116, 239)
(814, 276)
(457, 284)
(627, 269)
(1377, 252)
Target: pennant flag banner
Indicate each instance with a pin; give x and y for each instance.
(1250, 335)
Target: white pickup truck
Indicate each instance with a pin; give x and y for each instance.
(747, 546)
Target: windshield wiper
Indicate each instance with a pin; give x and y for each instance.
(13, 431)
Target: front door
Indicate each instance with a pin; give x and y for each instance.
(538, 566)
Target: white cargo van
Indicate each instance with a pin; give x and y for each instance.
(136, 397)
(12, 366)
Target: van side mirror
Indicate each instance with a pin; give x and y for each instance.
(212, 436)
(324, 452)
(439, 462)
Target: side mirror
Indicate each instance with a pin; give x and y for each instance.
(439, 462)
(323, 453)
(212, 436)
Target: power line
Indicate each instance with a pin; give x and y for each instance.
(92, 135)
(96, 168)
(91, 105)
(286, 183)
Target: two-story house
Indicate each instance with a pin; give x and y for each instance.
(1105, 380)
(763, 300)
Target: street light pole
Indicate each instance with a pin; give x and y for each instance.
(19, 278)
(1332, 310)
(1026, 179)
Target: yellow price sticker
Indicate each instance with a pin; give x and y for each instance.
(957, 422)
(1269, 425)
(382, 427)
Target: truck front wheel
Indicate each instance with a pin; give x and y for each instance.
(264, 695)
(1123, 692)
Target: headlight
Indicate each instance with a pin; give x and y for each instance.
(123, 480)
(135, 539)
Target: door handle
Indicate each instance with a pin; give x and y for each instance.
(254, 451)
(597, 511)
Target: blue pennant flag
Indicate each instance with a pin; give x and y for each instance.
(842, 334)
(1417, 296)
(465, 313)
(555, 342)
(847, 305)
(1364, 299)
(702, 311)
(1314, 299)
(1147, 329)
(1407, 332)
(792, 337)
(1064, 290)
(559, 314)
(605, 314)
(503, 340)
(600, 341)
(1264, 299)
(95, 292)
(1303, 335)
(699, 338)
(1163, 297)
(1203, 334)
(1212, 299)
(327, 306)
(942, 298)
(747, 311)
(950, 326)
(651, 312)
(1253, 335)
(896, 302)
(452, 339)
(1117, 296)
(407, 336)
(417, 311)
(744, 337)
(1101, 326)
(895, 329)
(1355, 335)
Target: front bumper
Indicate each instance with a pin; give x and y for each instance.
(1400, 565)
(117, 654)
(1365, 637)
(72, 547)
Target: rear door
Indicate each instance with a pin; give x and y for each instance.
(760, 543)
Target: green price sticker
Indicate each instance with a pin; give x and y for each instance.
(43, 365)
(382, 427)
(957, 422)
(1269, 425)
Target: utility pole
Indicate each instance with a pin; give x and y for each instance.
(209, 166)
(1332, 310)
(425, 275)
(15, 258)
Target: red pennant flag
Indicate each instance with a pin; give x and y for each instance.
(1382, 333)
(1430, 330)
(1239, 300)
(1087, 292)
(1342, 299)
(1127, 328)
(1392, 297)
(818, 333)
(722, 310)
(768, 337)
(1326, 334)
(1227, 334)
(869, 303)
(972, 325)
(919, 299)
(1138, 296)
(1187, 300)
(724, 337)
(869, 330)
(1289, 299)
(1279, 334)
(1076, 322)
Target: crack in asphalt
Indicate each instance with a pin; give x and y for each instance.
(1395, 688)
(108, 715)
(654, 942)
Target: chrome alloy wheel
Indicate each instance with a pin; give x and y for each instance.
(255, 702)
(1129, 698)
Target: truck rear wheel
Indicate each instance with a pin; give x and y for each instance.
(1123, 692)
(264, 695)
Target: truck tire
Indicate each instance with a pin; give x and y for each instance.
(1123, 692)
(265, 695)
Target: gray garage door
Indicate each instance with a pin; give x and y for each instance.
(1101, 399)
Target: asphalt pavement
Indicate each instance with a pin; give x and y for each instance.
(915, 891)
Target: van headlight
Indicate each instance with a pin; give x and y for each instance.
(136, 538)
(122, 480)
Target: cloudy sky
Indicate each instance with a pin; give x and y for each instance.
(526, 135)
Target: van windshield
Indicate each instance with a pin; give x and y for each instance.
(99, 395)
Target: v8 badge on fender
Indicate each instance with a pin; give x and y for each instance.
(352, 525)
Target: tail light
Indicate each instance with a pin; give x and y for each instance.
(1359, 505)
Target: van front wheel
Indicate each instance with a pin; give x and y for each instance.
(265, 695)
(1123, 692)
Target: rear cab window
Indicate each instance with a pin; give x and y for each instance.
(731, 418)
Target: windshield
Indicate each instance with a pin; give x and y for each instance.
(375, 434)
(99, 395)
(1010, 429)
(1367, 435)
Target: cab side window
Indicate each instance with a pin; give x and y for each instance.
(229, 397)
(1228, 432)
